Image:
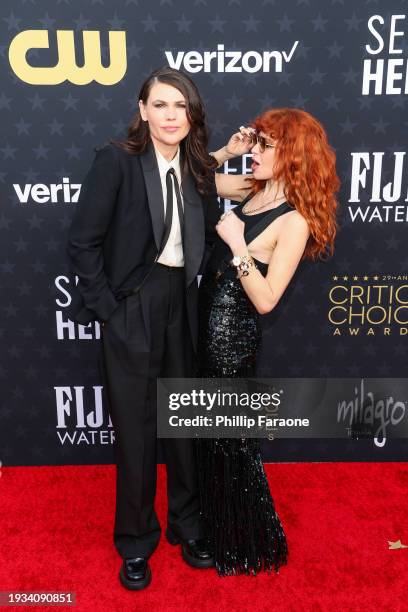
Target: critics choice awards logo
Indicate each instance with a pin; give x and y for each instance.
(368, 305)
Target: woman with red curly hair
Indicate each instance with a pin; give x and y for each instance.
(287, 212)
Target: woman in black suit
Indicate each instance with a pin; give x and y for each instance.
(136, 243)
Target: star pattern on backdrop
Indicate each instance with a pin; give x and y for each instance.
(50, 133)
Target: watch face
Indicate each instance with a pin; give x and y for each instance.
(236, 260)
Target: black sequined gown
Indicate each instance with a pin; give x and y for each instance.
(237, 508)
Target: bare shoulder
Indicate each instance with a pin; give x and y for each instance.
(294, 221)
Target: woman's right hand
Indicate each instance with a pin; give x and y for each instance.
(241, 142)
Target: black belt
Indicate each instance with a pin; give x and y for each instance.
(171, 269)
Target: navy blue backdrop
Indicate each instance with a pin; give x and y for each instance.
(70, 76)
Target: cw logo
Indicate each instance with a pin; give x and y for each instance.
(66, 69)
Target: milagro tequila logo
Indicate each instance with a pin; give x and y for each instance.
(369, 414)
(223, 60)
(81, 418)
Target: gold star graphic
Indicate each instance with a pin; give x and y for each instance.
(397, 544)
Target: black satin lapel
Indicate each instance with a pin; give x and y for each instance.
(154, 191)
(194, 230)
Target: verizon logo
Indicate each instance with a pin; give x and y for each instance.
(230, 61)
(39, 193)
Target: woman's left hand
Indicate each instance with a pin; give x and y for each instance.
(231, 229)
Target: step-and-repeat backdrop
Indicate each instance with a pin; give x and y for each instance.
(71, 72)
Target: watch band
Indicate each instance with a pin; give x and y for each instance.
(244, 264)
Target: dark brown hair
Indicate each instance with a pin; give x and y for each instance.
(194, 145)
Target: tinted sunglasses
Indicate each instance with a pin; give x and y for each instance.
(261, 141)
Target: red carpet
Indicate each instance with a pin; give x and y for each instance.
(56, 536)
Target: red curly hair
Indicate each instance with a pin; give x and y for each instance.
(306, 164)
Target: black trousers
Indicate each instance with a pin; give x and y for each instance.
(147, 337)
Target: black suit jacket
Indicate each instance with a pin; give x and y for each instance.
(117, 227)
